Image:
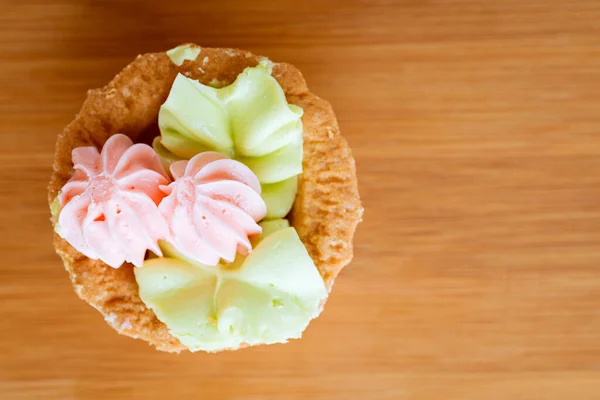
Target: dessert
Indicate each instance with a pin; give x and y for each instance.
(228, 228)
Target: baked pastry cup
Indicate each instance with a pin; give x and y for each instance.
(325, 212)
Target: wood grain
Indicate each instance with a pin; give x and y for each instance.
(476, 130)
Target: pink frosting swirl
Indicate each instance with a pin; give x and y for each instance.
(212, 207)
(109, 207)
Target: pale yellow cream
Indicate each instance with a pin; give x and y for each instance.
(184, 52)
(267, 297)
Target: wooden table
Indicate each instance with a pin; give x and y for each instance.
(476, 130)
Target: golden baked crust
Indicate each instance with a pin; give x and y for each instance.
(325, 214)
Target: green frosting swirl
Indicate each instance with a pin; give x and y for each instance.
(249, 120)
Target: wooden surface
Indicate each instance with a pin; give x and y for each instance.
(476, 130)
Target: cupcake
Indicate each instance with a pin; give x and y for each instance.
(204, 200)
